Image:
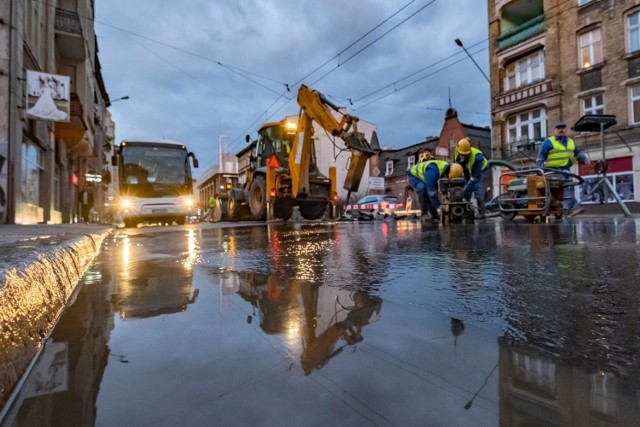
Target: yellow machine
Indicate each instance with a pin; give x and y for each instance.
(283, 171)
(534, 192)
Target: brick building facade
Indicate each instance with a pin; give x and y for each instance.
(554, 60)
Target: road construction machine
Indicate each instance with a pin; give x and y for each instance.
(283, 171)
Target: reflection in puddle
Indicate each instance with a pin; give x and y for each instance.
(318, 322)
(539, 390)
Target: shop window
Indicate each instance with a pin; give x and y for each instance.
(619, 173)
(590, 44)
(31, 167)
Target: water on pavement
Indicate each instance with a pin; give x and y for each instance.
(380, 323)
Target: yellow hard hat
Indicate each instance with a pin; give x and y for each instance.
(455, 170)
(464, 146)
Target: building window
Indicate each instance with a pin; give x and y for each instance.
(634, 104)
(524, 71)
(389, 168)
(534, 374)
(31, 166)
(410, 162)
(603, 394)
(527, 126)
(593, 104)
(633, 31)
(590, 44)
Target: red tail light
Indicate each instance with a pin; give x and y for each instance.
(272, 193)
(335, 197)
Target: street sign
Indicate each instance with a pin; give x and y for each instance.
(376, 171)
(442, 151)
(376, 183)
(92, 177)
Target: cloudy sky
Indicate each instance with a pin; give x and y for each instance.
(199, 71)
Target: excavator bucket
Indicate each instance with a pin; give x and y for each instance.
(360, 153)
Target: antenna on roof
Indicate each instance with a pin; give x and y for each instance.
(449, 96)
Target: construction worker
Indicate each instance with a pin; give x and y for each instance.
(474, 164)
(560, 152)
(425, 156)
(213, 202)
(423, 178)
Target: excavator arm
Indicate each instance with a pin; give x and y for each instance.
(314, 107)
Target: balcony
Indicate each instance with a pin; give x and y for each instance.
(522, 93)
(75, 130)
(520, 33)
(69, 37)
(523, 148)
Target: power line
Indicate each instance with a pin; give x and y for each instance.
(355, 54)
(397, 89)
(352, 44)
(374, 41)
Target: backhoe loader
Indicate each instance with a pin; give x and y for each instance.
(283, 170)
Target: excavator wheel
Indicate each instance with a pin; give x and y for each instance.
(312, 210)
(234, 209)
(258, 198)
(283, 210)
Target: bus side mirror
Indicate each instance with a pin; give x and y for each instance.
(114, 160)
(195, 160)
(247, 138)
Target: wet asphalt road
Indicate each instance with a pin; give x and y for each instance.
(386, 323)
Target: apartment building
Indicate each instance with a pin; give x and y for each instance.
(554, 60)
(50, 168)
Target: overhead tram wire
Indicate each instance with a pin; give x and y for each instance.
(235, 70)
(416, 72)
(374, 41)
(157, 55)
(547, 14)
(352, 56)
(355, 42)
(242, 73)
(411, 84)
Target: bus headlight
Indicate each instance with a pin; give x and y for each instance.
(126, 203)
(188, 202)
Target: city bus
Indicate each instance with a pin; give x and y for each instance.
(154, 181)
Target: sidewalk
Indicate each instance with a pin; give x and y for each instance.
(40, 267)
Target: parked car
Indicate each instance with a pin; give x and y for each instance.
(373, 206)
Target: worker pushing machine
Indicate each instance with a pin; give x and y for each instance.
(474, 164)
(423, 178)
(560, 152)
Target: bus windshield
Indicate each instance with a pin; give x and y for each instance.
(153, 171)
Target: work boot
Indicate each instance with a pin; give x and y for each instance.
(481, 210)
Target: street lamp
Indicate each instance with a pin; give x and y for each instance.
(459, 43)
(118, 99)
